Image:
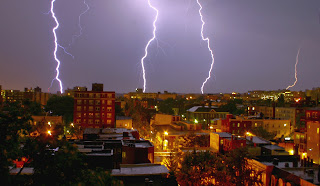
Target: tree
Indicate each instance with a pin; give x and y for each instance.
(263, 133)
(238, 169)
(207, 168)
(34, 108)
(231, 107)
(166, 106)
(61, 106)
(281, 101)
(14, 125)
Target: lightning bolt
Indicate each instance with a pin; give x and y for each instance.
(56, 45)
(79, 23)
(147, 46)
(209, 48)
(295, 71)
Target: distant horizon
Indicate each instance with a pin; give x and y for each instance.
(89, 89)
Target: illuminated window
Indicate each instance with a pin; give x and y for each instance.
(97, 121)
(108, 121)
(90, 102)
(78, 108)
(90, 121)
(103, 115)
(256, 124)
(97, 109)
(90, 115)
(317, 130)
(238, 124)
(97, 102)
(90, 108)
(109, 115)
(109, 109)
(109, 102)
(97, 115)
(78, 115)
(79, 102)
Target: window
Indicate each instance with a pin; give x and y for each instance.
(84, 101)
(97, 115)
(79, 102)
(233, 124)
(90, 121)
(103, 102)
(97, 121)
(84, 108)
(109, 115)
(108, 121)
(78, 115)
(317, 130)
(97, 95)
(238, 124)
(109, 102)
(97, 102)
(102, 108)
(91, 95)
(97, 109)
(109, 95)
(255, 124)
(90, 115)
(78, 121)
(109, 109)
(90, 102)
(78, 108)
(84, 114)
(103, 115)
(90, 108)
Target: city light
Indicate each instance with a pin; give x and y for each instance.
(196, 121)
(166, 133)
(49, 132)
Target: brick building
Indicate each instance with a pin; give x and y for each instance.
(313, 136)
(94, 109)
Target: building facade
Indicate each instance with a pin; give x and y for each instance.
(94, 109)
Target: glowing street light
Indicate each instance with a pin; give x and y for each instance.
(166, 133)
(49, 132)
(196, 121)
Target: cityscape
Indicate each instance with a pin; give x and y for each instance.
(147, 92)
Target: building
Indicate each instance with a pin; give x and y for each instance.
(241, 125)
(110, 147)
(204, 115)
(142, 174)
(313, 136)
(94, 109)
(28, 94)
(70, 92)
(223, 141)
(123, 122)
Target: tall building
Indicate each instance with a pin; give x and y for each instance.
(94, 109)
(313, 136)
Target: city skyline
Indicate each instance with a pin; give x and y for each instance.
(255, 45)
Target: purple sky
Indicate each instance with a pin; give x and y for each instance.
(255, 44)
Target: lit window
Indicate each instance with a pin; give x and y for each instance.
(108, 121)
(109, 115)
(317, 130)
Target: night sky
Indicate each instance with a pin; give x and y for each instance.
(255, 44)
